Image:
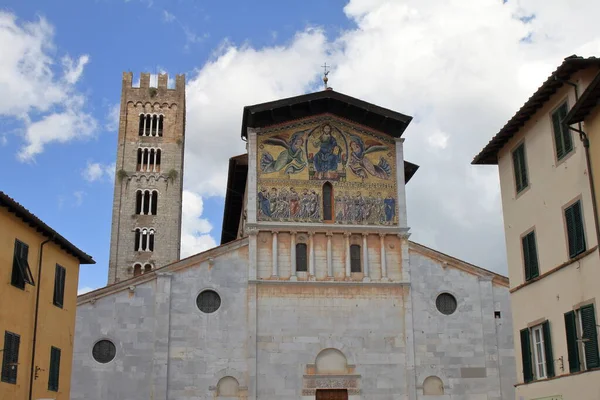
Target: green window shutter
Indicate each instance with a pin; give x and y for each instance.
(54, 373)
(10, 357)
(548, 350)
(556, 127)
(590, 336)
(59, 286)
(530, 258)
(520, 168)
(575, 231)
(572, 347)
(565, 132)
(526, 356)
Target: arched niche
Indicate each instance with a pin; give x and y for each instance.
(228, 386)
(331, 361)
(432, 385)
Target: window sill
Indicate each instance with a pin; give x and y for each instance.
(556, 269)
(557, 377)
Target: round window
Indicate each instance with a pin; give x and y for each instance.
(208, 301)
(104, 351)
(446, 303)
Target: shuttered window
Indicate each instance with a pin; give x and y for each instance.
(562, 136)
(54, 371)
(520, 167)
(575, 232)
(301, 259)
(526, 356)
(548, 349)
(589, 335)
(530, 257)
(59, 285)
(10, 357)
(572, 345)
(21, 273)
(355, 258)
(327, 202)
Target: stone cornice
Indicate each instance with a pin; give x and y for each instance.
(324, 228)
(326, 283)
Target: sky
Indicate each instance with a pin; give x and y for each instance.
(461, 68)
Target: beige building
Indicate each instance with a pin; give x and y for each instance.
(551, 229)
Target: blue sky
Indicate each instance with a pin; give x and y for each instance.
(432, 59)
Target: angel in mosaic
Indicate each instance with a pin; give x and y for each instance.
(360, 165)
(290, 158)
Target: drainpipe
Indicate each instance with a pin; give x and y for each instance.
(586, 145)
(35, 321)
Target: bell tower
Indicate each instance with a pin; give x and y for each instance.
(146, 218)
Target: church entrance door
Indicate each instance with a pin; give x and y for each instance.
(332, 394)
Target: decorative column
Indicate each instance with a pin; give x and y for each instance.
(252, 188)
(384, 276)
(348, 265)
(293, 276)
(311, 254)
(366, 276)
(144, 131)
(275, 269)
(329, 255)
(402, 221)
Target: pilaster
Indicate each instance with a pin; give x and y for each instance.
(162, 327)
(401, 184)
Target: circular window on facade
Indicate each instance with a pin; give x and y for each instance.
(446, 303)
(104, 351)
(208, 301)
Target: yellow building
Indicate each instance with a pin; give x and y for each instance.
(551, 230)
(39, 271)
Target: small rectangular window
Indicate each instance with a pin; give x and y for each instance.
(355, 265)
(530, 257)
(575, 231)
(54, 371)
(536, 352)
(520, 168)
(59, 285)
(539, 355)
(21, 273)
(562, 135)
(10, 357)
(301, 259)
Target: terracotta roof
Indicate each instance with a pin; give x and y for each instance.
(570, 65)
(327, 101)
(24, 214)
(589, 99)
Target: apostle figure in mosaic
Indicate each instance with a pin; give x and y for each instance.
(290, 158)
(390, 208)
(327, 158)
(264, 206)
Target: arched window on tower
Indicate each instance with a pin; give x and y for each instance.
(144, 239)
(151, 240)
(154, 125)
(138, 202)
(142, 125)
(301, 259)
(147, 268)
(154, 203)
(355, 258)
(137, 270)
(139, 159)
(138, 238)
(160, 125)
(157, 161)
(327, 202)
(146, 202)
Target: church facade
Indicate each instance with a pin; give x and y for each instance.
(316, 290)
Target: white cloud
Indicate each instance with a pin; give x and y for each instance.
(95, 171)
(168, 17)
(85, 289)
(79, 194)
(49, 106)
(195, 230)
(112, 117)
(460, 68)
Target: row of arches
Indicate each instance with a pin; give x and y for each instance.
(148, 159)
(144, 239)
(302, 258)
(151, 125)
(139, 269)
(146, 202)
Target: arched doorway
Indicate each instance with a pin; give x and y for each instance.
(332, 394)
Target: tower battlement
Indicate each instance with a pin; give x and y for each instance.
(162, 81)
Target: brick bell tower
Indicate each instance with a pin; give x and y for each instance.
(146, 218)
